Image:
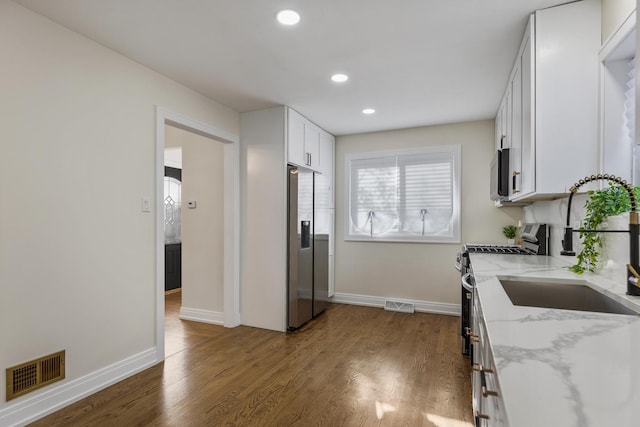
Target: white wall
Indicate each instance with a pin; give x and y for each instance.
(614, 12)
(202, 227)
(77, 138)
(172, 156)
(420, 271)
(263, 223)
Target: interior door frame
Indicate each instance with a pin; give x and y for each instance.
(231, 278)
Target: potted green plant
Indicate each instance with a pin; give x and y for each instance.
(602, 204)
(509, 232)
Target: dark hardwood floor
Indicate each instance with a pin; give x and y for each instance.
(352, 366)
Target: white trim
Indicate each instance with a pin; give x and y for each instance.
(53, 398)
(379, 302)
(231, 216)
(204, 316)
(607, 50)
(618, 36)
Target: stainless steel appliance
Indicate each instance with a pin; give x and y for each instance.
(535, 241)
(308, 246)
(499, 182)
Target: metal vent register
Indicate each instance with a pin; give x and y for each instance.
(32, 375)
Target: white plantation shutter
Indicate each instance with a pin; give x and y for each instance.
(404, 196)
(426, 200)
(630, 102)
(374, 186)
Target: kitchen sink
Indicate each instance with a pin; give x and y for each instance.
(561, 295)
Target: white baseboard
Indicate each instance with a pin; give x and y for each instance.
(29, 409)
(204, 316)
(421, 306)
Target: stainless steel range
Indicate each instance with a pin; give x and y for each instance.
(535, 241)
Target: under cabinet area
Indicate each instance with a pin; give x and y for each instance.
(548, 116)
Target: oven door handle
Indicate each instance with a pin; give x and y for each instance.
(465, 282)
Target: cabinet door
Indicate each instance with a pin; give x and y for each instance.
(515, 155)
(528, 170)
(567, 40)
(325, 166)
(312, 145)
(500, 121)
(295, 139)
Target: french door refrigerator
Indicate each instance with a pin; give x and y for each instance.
(308, 245)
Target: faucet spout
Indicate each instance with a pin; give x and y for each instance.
(633, 279)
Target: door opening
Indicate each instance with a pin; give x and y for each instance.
(220, 305)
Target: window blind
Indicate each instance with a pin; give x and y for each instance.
(407, 195)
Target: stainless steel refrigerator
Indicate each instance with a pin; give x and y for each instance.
(308, 245)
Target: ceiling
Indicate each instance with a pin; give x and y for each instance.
(417, 62)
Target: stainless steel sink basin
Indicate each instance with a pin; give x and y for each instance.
(563, 295)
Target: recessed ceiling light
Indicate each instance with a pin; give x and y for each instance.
(368, 111)
(288, 17)
(339, 78)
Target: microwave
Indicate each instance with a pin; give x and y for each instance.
(500, 175)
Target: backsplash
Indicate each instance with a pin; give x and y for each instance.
(554, 213)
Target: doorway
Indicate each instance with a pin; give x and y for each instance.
(172, 199)
(229, 316)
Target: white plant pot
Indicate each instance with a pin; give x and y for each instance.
(614, 255)
(511, 241)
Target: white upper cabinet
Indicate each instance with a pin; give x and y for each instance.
(308, 145)
(553, 92)
(327, 150)
(296, 152)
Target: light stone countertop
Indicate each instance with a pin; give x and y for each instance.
(560, 367)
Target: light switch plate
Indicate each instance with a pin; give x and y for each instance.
(146, 204)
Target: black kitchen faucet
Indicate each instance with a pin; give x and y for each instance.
(633, 278)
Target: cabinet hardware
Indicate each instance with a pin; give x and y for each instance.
(475, 339)
(486, 393)
(483, 416)
(513, 182)
(480, 368)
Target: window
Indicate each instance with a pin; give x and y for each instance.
(404, 196)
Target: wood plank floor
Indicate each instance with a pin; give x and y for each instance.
(352, 366)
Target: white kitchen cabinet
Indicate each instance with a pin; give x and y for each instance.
(327, 156)
(503, 122)
(308, 145)
(268, 140)
(553, 90)
(488, 403)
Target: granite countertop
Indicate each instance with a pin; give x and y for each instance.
(560, 367)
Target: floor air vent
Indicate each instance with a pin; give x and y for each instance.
(403, 307)
(32, 375)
